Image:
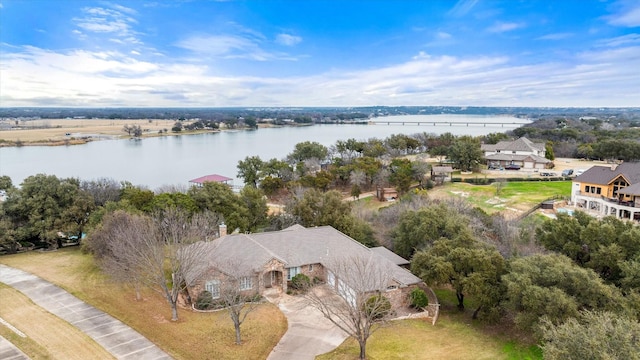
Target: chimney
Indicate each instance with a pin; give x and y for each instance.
(614, 166)
(222, 229)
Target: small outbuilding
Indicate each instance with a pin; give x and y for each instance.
(211, 178)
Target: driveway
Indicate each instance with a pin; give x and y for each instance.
(309, 333)
(117, 338)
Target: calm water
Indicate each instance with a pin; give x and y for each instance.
(154, 162)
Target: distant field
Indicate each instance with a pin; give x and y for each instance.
(195, 336)
(56, 129)
(514, 197)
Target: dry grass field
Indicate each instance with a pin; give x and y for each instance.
(48, 337)
(194, 336)
(55, 130)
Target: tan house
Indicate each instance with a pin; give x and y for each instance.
(270, 260)
(522, 152)
(609, 190)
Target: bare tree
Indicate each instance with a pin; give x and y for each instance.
(116, 244)
(354, 298)
(175, 250)
(238, 295)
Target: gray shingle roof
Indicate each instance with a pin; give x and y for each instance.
(390, 255)
(297, 246)
(604, 175)
(522, 144)
(631, 190)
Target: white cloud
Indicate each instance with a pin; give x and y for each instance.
(443, 35)
(114, 21)
(288, 40)
(620, 40)
(462, 7)
(627, 15)
(604, 77)
(231, 47)
(500, 27)
(555, 36)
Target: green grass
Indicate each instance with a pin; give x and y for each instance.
(519, 196)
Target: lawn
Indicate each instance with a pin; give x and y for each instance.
(454, 337)
(194, 336)
(516, 197)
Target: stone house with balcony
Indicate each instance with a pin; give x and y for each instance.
(268, 261)
(609, 190)
(522, 152)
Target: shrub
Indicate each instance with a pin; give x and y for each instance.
(418, 298)
(204, 301)
(300, 282)
(377, 306)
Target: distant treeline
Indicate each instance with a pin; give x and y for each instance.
(311, 113)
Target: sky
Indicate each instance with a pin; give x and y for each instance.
(270, 53)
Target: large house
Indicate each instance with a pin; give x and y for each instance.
(609, 190)
(270, 260)
(522, 152)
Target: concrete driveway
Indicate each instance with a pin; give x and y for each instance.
(117, 338)
(309, 333)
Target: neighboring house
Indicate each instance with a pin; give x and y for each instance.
(609, 190)
(211, 178)
(386, 194)
(523, 152)
(270, 260)
(440, 174)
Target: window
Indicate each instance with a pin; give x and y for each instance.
(310, 267)
(293, 271)
(246, 283)
(213, 287)
(392, 287)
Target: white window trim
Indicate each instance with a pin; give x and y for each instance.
(292, 271)
(213, 287)
(246, 283)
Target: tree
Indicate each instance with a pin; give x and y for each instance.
(5, 182)
(401, 174)
(128, 129)
(102, 190)
(249, 170)
(308, 150)
(256, 205)
(594, 335)
(219, 198)
(177, 127)
(137, 131)
(117, 245)
(549, 151)
(552, 286)
(356, 303)
(45, 206)
(418, 229)
(169, 261)
(468, 266)
(238, 302)
(465, 153)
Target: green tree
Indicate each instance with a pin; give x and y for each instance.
(174, 200)
(308, 150)
(466, 153)
(594, 335)
(552, 286)
(249, 170)
(401, 174)
(468, 266)
(220, 199)
(418, 229)
(141, 199)
(256, 205)
(5, 182)
(45, 205)
(549, 151)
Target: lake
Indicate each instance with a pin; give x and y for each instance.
(158, 161)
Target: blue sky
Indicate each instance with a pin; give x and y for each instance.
(575, 53)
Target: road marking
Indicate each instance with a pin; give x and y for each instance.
(12, 328)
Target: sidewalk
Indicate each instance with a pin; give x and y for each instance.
(8, 351)
(116, 337)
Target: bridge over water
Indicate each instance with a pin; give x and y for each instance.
(457, 122)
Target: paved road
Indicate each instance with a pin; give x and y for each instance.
(309, 333)
(116, 337)
(8, 351)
